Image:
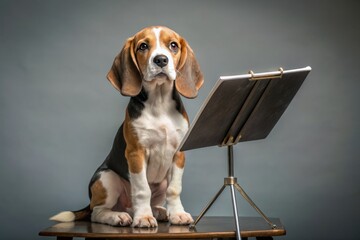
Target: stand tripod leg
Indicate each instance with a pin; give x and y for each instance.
(236, 216)
(248, 199)
(207, 207)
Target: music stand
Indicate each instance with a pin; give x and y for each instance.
(242, 108)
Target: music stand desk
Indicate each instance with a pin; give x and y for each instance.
(242, 108)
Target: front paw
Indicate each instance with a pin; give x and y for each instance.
(146, 221)
(181, 218)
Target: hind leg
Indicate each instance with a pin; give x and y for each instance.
(158, 195)
(107, 193)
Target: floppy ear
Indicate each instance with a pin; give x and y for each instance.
(124, 74)
(189, 76)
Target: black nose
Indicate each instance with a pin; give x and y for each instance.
(161, 60)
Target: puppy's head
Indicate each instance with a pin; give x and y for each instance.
(156, 53)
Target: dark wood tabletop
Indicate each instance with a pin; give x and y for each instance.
(208, 227)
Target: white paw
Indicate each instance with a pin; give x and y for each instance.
(146, 221)
(124, 219)
(181, 218)
(160, 213)
(117, 219)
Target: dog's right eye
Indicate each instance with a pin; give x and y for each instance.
(143, 47)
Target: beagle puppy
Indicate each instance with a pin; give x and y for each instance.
(143, 170)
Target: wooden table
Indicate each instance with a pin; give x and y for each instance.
(208, 227)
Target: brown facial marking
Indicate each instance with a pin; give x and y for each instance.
(179, 159)
(167, 36)
(134, 152)
(98, 194)
(147, 37)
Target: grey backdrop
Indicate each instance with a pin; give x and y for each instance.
(59, 114)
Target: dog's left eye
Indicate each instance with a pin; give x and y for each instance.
(174, 46)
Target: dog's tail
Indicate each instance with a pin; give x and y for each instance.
(70, 216)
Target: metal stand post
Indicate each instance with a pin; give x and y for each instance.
(232, 182)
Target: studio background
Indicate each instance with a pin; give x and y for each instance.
(59, 114)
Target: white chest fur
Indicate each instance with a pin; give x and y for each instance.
(160, 129)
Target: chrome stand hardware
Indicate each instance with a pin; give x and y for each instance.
(231, 181)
